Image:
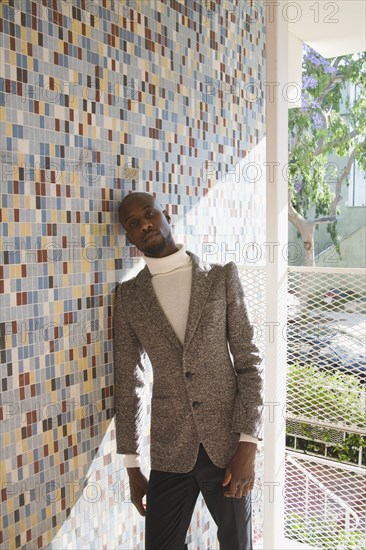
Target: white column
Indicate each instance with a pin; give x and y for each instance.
(276, 266)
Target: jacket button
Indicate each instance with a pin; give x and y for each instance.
(196, 404)
(189, 375)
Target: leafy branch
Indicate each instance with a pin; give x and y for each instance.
(316, 130)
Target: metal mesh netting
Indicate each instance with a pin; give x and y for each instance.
(325, 504)
(326, 330)
(254, 285)
(314, 433)
(253, 279)
(326, 410)
(326, 407)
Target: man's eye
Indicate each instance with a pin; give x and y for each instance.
(133, 224)
(150, 213)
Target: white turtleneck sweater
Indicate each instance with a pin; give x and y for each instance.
(171, 278)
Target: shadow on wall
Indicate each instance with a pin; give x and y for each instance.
(155, 97)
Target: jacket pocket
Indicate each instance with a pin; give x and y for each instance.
(164, 421)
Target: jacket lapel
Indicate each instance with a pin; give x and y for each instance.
(201, 284)
(146, 295)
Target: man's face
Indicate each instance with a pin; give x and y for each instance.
(146, 225)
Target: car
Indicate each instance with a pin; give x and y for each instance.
(352, 302)
(334, 295)
(326, 346)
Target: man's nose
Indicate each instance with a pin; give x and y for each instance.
(145, 225)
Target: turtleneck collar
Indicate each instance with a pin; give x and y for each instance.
(168, 263)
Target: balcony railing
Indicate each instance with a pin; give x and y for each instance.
(326, 407)
(326, 403)
(320, 508)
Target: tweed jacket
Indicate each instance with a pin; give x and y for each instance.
(207, 390)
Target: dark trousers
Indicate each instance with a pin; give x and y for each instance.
(171, 499)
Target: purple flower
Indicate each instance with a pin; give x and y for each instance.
(309, 81)
(316, 104)
(318, 121)
(298, 186)
(314, 59)
(329, 69)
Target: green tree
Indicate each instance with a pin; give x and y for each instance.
(318, 129)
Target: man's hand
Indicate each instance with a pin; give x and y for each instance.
(240, 472)
(138, 488)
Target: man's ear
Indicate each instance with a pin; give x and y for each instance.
(168, 218)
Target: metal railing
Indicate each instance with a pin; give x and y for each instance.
(326, 402)
(315, 512)
(326, 407)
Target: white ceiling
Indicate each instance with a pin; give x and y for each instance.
(332, 28)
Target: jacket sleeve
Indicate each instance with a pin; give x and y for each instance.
(129, 366)
(248, 408)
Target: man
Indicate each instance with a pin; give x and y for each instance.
(206, 408)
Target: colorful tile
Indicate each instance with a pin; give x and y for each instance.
(96, 99)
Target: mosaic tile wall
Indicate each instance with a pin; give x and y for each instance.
(97, 98)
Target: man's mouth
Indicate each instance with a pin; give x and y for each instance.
(151, 235)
